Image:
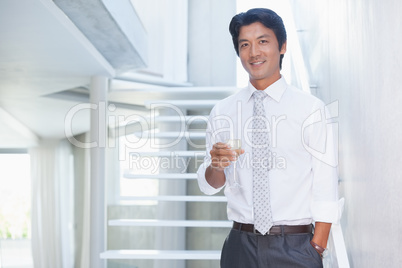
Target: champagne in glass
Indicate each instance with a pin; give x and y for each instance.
(235, 145)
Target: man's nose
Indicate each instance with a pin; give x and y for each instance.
(254, 51)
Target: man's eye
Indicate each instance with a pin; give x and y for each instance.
(243, 45)
(263, 41)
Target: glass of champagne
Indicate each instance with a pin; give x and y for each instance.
(235, 145)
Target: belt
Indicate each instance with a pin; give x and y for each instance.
(275, 230)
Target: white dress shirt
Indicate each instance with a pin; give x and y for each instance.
(302, 177)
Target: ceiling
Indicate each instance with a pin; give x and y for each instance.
(41, 52)
(46, 63)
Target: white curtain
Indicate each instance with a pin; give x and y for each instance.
(52, 205)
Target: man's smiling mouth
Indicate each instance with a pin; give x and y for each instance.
(257, 62)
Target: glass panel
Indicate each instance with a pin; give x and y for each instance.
(15, 209)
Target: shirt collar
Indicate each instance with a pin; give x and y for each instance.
(275, 91)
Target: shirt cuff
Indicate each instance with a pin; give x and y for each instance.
(330, 212)
(205, 187)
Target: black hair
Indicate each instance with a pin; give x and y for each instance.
(265, 16)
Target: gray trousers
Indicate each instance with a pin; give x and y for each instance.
(247, 250)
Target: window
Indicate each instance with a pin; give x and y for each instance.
(15, 208)
(131, 163)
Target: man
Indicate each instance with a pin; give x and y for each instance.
(286, 182)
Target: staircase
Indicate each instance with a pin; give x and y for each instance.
(187, 227)
(183, 227)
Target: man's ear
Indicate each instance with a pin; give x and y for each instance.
(283, 49)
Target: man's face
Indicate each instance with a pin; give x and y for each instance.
(259, 54)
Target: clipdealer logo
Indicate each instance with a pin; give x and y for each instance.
(227, 128)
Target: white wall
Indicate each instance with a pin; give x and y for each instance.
(353, 51)
(166, 23)
(212, 58)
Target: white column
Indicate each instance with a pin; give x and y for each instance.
(98, 134)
